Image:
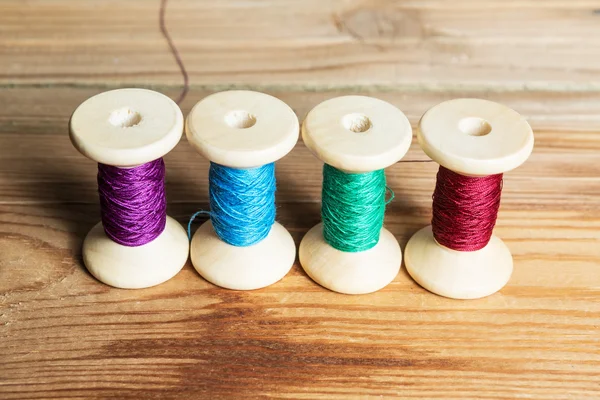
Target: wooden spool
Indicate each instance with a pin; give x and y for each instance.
(242, 129)
(475, 138)
(126, 128)
(355, 134)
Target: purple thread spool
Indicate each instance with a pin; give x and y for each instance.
(127, 131)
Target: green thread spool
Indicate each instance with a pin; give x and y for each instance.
(353, 208)
(357, 137)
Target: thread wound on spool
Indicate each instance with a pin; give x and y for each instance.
(242, 203)
(353, 208)
(465, 209)
(133, 202)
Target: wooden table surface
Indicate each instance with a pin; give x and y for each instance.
(65, 335)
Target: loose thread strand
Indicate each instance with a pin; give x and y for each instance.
(191, 221)
(392, 195)
(174, 51)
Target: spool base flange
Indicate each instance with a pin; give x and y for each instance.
(350, 273)
(457, 274)
(136, 267)
(242, 268)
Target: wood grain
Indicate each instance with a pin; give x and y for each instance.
(431, 45)
(65, 335)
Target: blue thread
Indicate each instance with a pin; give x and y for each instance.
(192, 218)
(242, 203)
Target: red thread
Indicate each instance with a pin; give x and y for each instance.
(465, 209)
(174, 51)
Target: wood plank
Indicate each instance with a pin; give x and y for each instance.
(431, 45)
(567, 156)
(65, 335)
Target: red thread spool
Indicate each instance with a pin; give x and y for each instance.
(475, 142)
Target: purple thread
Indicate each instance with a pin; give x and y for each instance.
(133, 202)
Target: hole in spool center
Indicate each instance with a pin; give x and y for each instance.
(240, 119)
(125, 117)
(474, 126)
(356, 122)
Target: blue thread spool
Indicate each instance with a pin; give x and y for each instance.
(242, 133)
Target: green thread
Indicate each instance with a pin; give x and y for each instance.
(353, 208)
